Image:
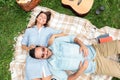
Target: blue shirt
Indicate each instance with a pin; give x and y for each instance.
(34, 36)
(67, 56)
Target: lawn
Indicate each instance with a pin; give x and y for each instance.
(13, 20)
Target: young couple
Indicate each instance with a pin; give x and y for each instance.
(65, 53)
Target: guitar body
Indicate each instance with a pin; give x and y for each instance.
(79, 6)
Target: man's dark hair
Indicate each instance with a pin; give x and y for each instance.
(32, 53)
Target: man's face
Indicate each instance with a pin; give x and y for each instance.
(42, 53)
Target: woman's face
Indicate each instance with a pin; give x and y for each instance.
(42, 18)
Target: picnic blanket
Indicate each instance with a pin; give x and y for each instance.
(83, 28)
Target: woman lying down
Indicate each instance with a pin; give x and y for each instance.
(69, 53)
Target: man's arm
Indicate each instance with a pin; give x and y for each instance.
(76, 40)
(81, 69)
(83, 66)
(82, 46)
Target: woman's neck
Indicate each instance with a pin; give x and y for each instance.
(39, 26)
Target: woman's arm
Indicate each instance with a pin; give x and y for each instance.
(55, 36)
(47, 78)
(59, 35)
(24, 47)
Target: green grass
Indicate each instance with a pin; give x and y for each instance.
(108, 17)
(14, 20)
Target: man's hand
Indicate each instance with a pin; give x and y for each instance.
(85, 50)
(83, 66)
(82, 46)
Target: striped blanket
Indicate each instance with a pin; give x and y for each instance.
(83, 28)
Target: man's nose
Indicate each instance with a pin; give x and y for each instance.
(45, 52)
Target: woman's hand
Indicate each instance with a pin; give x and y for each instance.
(24, 47)
(31, 47)
(85, 50)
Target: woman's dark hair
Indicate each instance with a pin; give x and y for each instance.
(32, 53)
(48, 14)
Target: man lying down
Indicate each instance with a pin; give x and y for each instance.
(69, 53)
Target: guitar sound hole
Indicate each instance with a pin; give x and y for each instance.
(79, 1)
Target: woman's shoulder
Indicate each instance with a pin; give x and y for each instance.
(30, 29)
(49, 28)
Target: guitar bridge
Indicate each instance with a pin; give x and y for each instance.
(79, 1)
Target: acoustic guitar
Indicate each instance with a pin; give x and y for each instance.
(79, 6)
